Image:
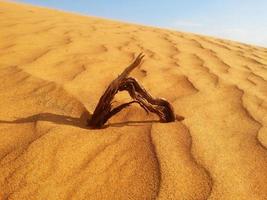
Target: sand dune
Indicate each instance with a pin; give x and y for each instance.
(54, 66)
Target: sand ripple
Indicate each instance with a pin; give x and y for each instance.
(55, 65)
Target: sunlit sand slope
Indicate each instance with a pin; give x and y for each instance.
(54, 67)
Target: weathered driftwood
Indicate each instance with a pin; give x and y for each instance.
(104, 109)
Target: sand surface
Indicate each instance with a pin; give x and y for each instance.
(54, 66)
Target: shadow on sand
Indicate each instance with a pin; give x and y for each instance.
(131, 123)
(55, 118)
(80, 122)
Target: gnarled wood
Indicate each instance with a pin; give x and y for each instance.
(104, 109)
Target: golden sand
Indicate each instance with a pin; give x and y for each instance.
(54, 66)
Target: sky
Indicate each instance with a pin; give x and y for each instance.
(240, 20)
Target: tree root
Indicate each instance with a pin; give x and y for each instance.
(104, 109)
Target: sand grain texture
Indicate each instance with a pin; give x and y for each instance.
(54, 66)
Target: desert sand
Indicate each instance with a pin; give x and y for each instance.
(54, 66)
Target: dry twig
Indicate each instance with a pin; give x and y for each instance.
(104, 109)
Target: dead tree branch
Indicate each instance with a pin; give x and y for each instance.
(104, 109)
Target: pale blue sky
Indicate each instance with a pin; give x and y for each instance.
(241, 20)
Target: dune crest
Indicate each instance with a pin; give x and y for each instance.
(54, 66)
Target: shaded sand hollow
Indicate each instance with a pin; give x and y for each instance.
(54, 66)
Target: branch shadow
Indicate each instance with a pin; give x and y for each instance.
(140, 123)
(132, 123)
(80, 122)
(55, 118)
